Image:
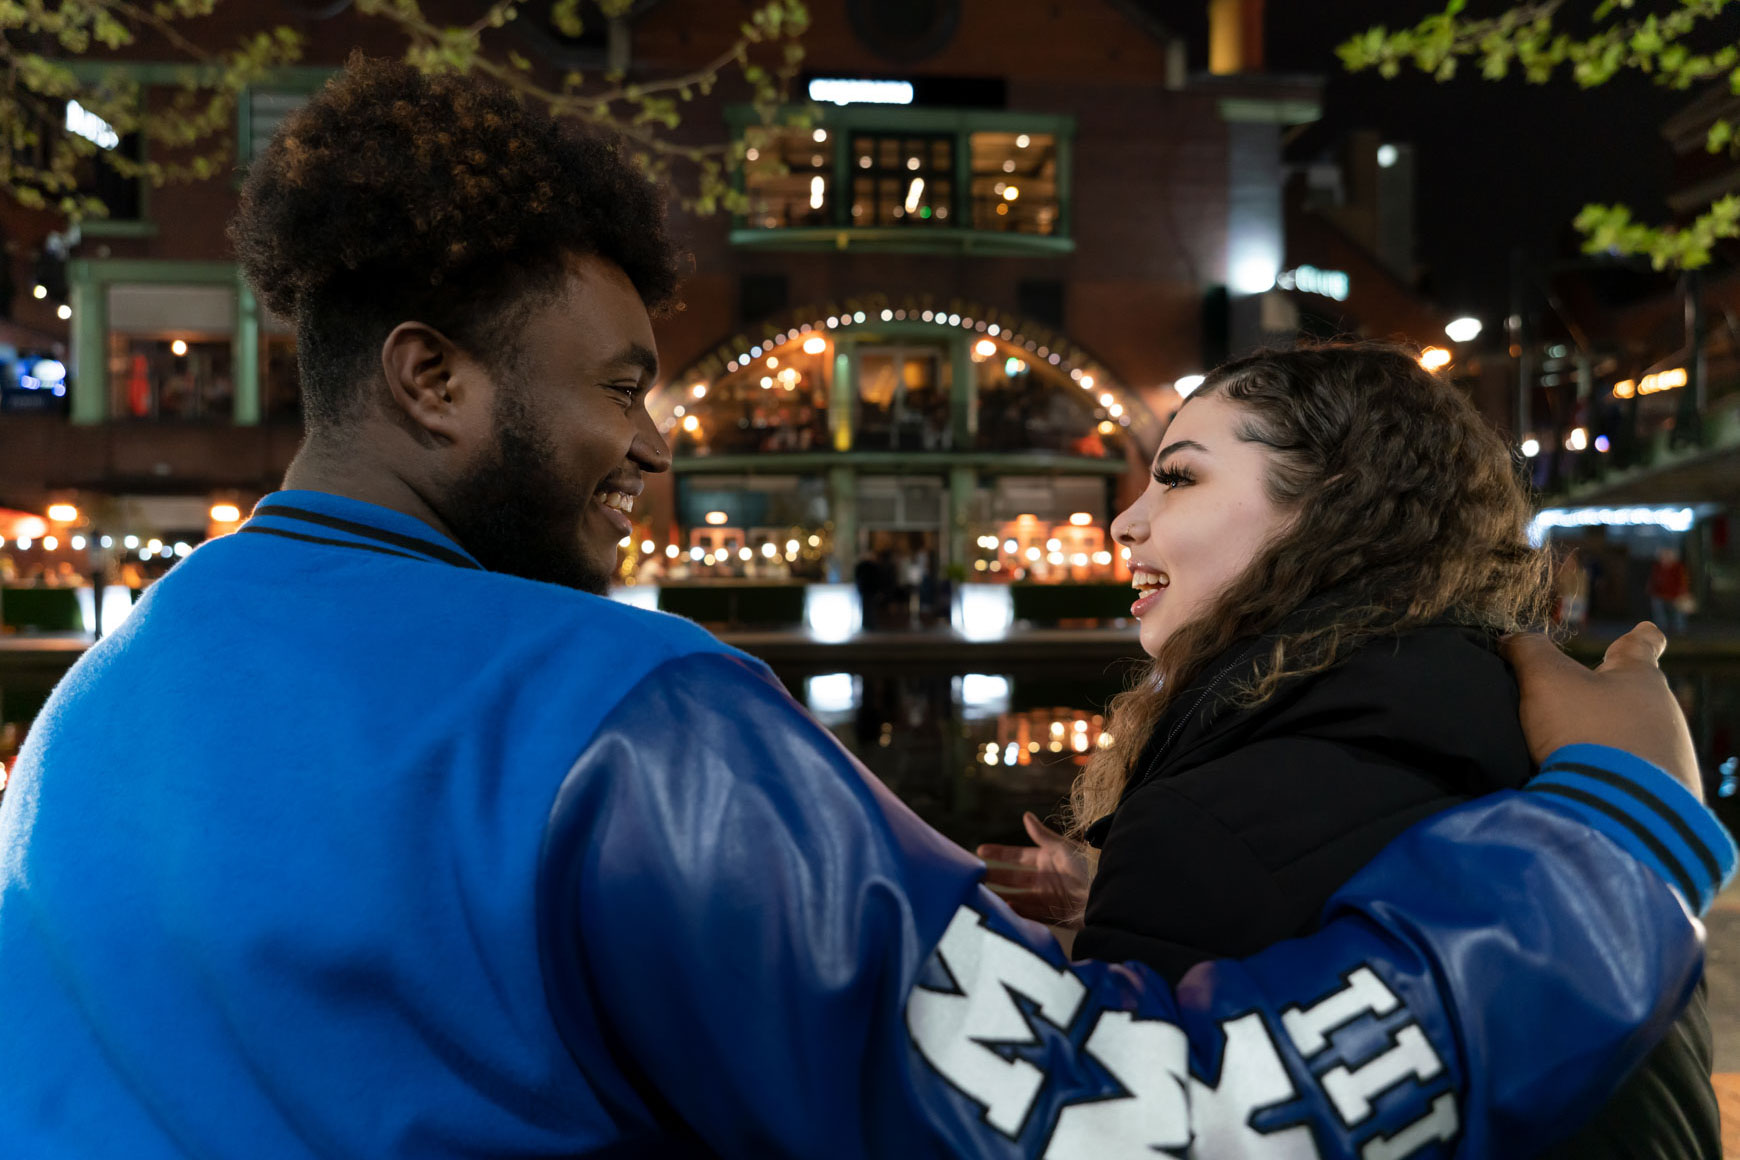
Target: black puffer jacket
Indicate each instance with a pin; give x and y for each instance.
(1241, 822)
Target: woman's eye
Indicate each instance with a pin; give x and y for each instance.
(1170, 477)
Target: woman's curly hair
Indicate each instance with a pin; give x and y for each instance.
(1407, 507)
(395, 195)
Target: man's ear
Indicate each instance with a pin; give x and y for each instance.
(427, 383)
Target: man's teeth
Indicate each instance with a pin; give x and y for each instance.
(1146, 580)
(620, 500)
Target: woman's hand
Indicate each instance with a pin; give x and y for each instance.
(1625, 702)
(1047, 881)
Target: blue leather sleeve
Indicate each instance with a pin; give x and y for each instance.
(749, 943)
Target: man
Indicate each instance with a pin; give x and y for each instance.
(373, 833)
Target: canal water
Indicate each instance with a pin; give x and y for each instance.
(970, 749)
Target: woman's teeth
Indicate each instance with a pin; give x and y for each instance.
(1145, 581)
(621, 501)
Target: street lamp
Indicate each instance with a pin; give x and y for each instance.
(1463, 329)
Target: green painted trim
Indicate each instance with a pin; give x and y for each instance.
(1065, 185)
(895, 240)
(840, 394)
(160, 270)
(104, 228)
(963, 390)
(1259, 110)
(246, 357)
(963, 486)
(899, 463)
(90, 349)
(843, 504)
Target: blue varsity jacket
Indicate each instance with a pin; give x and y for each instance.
(344, 847)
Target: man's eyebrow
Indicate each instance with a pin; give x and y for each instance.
(1180, 445)
(637, 356)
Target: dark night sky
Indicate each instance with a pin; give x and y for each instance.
(1497, 164)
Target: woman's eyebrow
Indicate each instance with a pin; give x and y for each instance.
(1180, 445)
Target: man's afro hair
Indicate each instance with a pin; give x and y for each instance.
(393, 194)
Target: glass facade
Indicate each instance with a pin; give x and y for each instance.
(902, 179)
(171, 352)
(1015, 182)
(788, 178)
(911, 173)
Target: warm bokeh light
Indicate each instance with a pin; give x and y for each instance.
(63, 513)
(225, 513)
(1434, 358)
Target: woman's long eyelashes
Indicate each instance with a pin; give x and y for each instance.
(1172, 476)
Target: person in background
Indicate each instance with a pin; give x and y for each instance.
(377, 830)
(1332, 544)
(1670, 591)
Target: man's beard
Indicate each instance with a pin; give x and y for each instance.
(511, 511)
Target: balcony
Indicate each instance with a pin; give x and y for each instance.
(930, 181)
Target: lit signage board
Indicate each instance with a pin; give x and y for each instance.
(849, 91)
(1329, 283)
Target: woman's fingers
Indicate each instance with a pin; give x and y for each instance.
(996, 855)
(1640, 648)
(1041, 834)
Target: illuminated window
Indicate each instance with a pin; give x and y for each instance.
(1015, 182)
(902, 179)
(762, 408)
(1026, 404)
(788, 178)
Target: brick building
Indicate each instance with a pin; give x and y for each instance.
(946, 313)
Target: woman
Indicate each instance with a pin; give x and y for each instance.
(1331, 545)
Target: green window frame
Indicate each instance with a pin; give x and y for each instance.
(957, 234)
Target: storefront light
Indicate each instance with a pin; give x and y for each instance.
(39, 292)
(814, 344)
(1185, 385)
(182, 549)
(695, 554)
(107, 541)
(672, 551)
(647, 547)
(791, 545)
(769, 550)
(1081, 519)
(717, 519)
(1054, 545)
(78, 543)
(50, 543)
(699, 390)
(1033, 554)
(63, 513)
(24, 543)
(745, 555)
(222, 513)
(984, 348)
(64, 312)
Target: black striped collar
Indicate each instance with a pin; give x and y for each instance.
(317, 517)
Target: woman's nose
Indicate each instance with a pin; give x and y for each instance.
(1129, 528)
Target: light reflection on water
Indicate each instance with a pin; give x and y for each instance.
(930, 733)
(931, 736)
